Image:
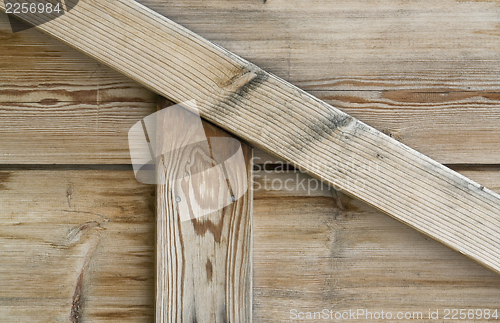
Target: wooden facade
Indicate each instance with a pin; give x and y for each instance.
(77, 231)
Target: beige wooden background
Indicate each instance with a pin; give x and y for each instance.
(77, 230)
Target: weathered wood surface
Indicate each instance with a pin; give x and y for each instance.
(278, 117)
(389, 45)
(315, 252)
(310, 251)
(76, 246)
(204, 268)
(426, 76)
(415, 65)
(57, 106)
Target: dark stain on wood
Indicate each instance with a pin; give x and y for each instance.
(20, 95)
(4, 178)
(318, 129)
(69, 194)
(250, 86)
(335, 121)
(49, 101)
(240, 90)
(135, 278)
(344, 98)
(76, 307)
(61, 96)
(209, 268)
(437, 96)
(127, 313)
(392, 133)
(74, 237)
(202, 226)
(433, 96)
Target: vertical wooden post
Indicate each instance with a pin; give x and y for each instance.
(203, 260)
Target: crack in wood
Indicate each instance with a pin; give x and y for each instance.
(75, 236)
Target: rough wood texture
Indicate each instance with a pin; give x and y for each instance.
(439, 84)
(58, 106)
(76, 246)
(204, 261)
(278, 117)
(310, 251)
(452, 127)
(313, 252)
(68, 132)
(349, 45)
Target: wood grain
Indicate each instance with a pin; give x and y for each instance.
(441, 124)
(58, 106)
(203, 258)
(421, 108)
(310, 251)
(95, 132)
(280, 118)
(36, 68)
(346, 45)
(349, 45)
(414, 79)
(68, 132)
(314, 252)
(76, 246)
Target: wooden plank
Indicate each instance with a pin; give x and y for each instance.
(313, 252)
(39, 69)
(97, 132)
(435, 120)
(440, 124)
(58, 106)
(278, 117)
(76, 246)
(437, 56)
(346, 45)
(341, 254)
(68, 133)
(204, 268)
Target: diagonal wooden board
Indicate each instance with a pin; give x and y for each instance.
(274, 115)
